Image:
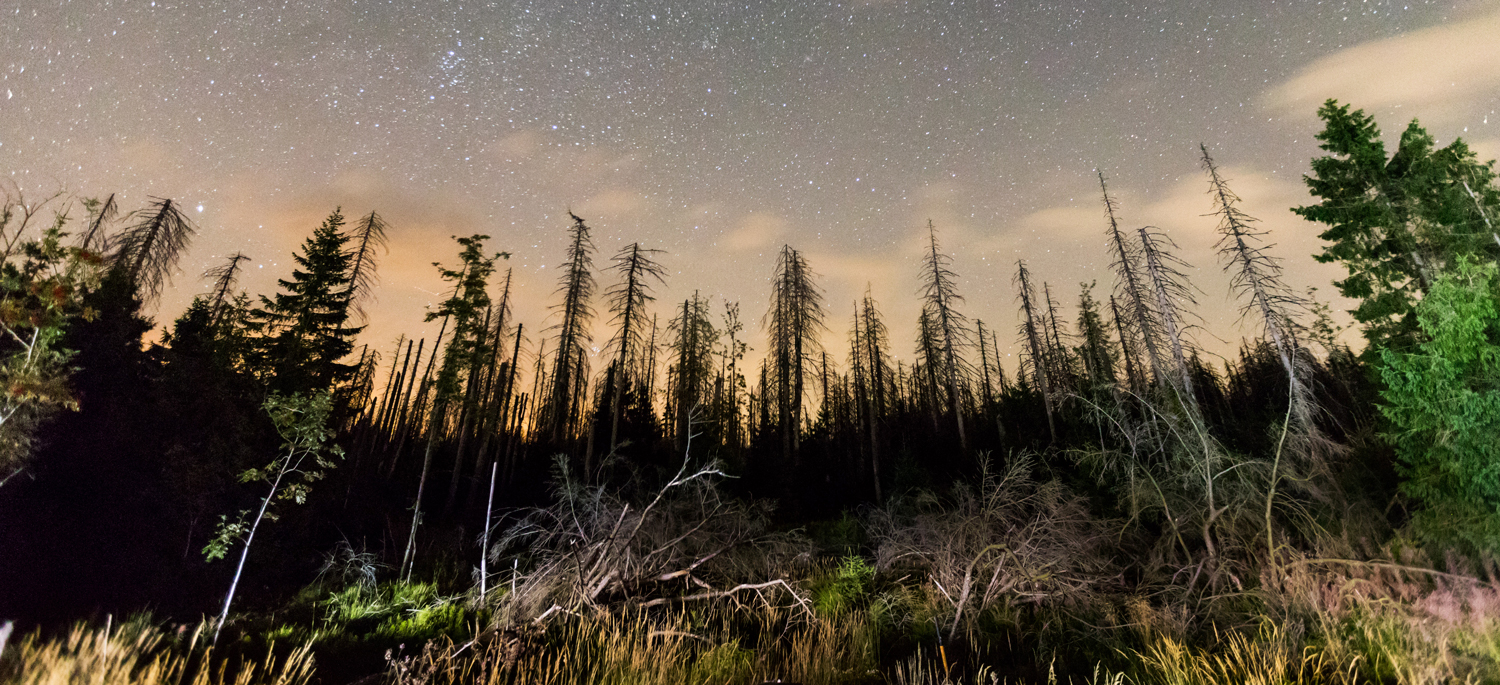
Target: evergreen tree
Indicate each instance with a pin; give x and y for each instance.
(1444, 409)
(1095, 349)
(302, 331)
(1395, 223)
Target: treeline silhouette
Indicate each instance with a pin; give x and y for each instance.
(111, 505)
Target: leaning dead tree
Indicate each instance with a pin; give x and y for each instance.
(686, 542)
(225, 277)
(147, 251)
(1031, 335)
(1134, 293)
(1173, 297)
(1256, 276)
(367, 238)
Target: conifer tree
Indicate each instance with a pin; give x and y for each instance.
(691, 371)
(1395, 223)
(731, 354)
(1169, 287)
(793, 324)
(147, 251)
(1096, 349)
(872, 356)
(1256, 276)
(1032, 336)
(470, 345)
(1134, 293)
(302, 331)
(225, 278)
(367, 238)
(570, 365)
(940, 294)
(627, 301)
(101, 215)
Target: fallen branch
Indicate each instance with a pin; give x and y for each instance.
(743, 587)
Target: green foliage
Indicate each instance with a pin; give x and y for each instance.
(226, 535)
(302, 423)
(42, 283)
(845, 587)
(1443, 403)
(468, 347)
(1393, 223)
(303, 331)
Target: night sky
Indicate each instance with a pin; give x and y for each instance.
(719, 131)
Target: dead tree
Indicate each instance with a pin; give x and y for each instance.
(793, 323)
(570, 364)
(940, 293)
(691, 372)
(594, 548)
(367, 238)
(1173, 295)
(225, 277)
(1031, 335)
(1126, 259)
(1256, 276)
(627, 301)
(147, 251)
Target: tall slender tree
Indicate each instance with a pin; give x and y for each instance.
(940, 295)
(1032, 336)
(1133, 291)
(1173, 297)
(1256, 276)
(366, 240)
(627, 301)
(560, 411)
(692, 346)
(793, 323)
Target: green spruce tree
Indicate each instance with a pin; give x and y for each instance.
(303, 331)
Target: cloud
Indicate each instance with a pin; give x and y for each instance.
(757, 231)
(616, 203)
(1447, 75)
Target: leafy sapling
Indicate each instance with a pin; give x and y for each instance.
(305, 456)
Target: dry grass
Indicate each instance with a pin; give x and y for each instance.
(140, 654)
(637, 648)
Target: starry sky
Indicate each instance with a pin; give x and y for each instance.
(719, 131)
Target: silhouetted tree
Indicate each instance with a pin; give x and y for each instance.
(940, 295)
(793, 326)
(570, 365)
(302, 331)
(627, 302)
